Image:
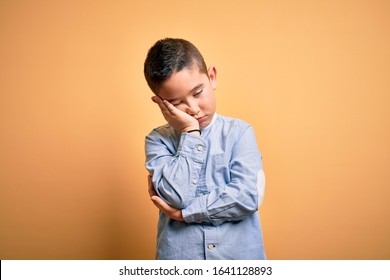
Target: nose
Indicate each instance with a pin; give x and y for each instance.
(192, 108)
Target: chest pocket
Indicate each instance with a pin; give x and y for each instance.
(218, 159)
(220, 174)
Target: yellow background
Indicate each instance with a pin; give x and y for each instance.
(312, 77)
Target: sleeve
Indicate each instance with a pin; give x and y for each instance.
(239, 198)
(173, 170)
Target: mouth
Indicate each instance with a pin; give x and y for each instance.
(201, 119)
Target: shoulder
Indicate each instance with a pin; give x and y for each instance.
(239, 133)
(165, 133)
(229, 125)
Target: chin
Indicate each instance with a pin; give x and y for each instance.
(203, 125)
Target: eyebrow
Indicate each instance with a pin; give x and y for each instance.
(191, 91)
(196, 87)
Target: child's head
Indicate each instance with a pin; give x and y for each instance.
(176, 72)
(168, 56)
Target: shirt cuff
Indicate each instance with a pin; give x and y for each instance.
(196, 212)
(192, 146)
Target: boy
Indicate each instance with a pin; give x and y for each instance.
(205, 169)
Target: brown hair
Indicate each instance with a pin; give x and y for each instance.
(168, 56)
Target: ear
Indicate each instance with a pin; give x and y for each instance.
(212, 72)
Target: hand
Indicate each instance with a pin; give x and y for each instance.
(168, 210)
(179, 120)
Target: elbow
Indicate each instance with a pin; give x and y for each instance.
(251, 203)
(170, 195)
(251, 208)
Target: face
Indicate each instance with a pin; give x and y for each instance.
(192, 92)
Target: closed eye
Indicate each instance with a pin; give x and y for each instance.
(198, 92)
(176, 103)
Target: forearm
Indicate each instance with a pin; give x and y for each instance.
(233, 202)
(237, 195)
(173, 173)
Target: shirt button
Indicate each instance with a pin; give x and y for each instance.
(210, 246)
(194, 181)
(200, 148)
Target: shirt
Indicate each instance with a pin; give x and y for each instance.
(216, 180)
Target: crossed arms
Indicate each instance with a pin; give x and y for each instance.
(168, 210)
(175, 168)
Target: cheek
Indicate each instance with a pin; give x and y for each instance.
(208, 102)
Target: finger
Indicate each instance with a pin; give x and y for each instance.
(164, 109)
(167, 209)
(149, 185)
(159, 101)
(152, 192)
(156, 201)
(151, 189)
(172, 109)
(161, 204)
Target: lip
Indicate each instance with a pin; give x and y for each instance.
(201, 119)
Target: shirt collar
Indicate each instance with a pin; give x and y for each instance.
(210, 124)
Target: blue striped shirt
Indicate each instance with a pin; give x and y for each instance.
(216, 179)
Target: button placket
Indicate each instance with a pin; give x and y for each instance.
(195, 180)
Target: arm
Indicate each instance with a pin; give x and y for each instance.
(173, 168)
(176, 214)
(233, 202)
(239, 198)
(168, 210)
